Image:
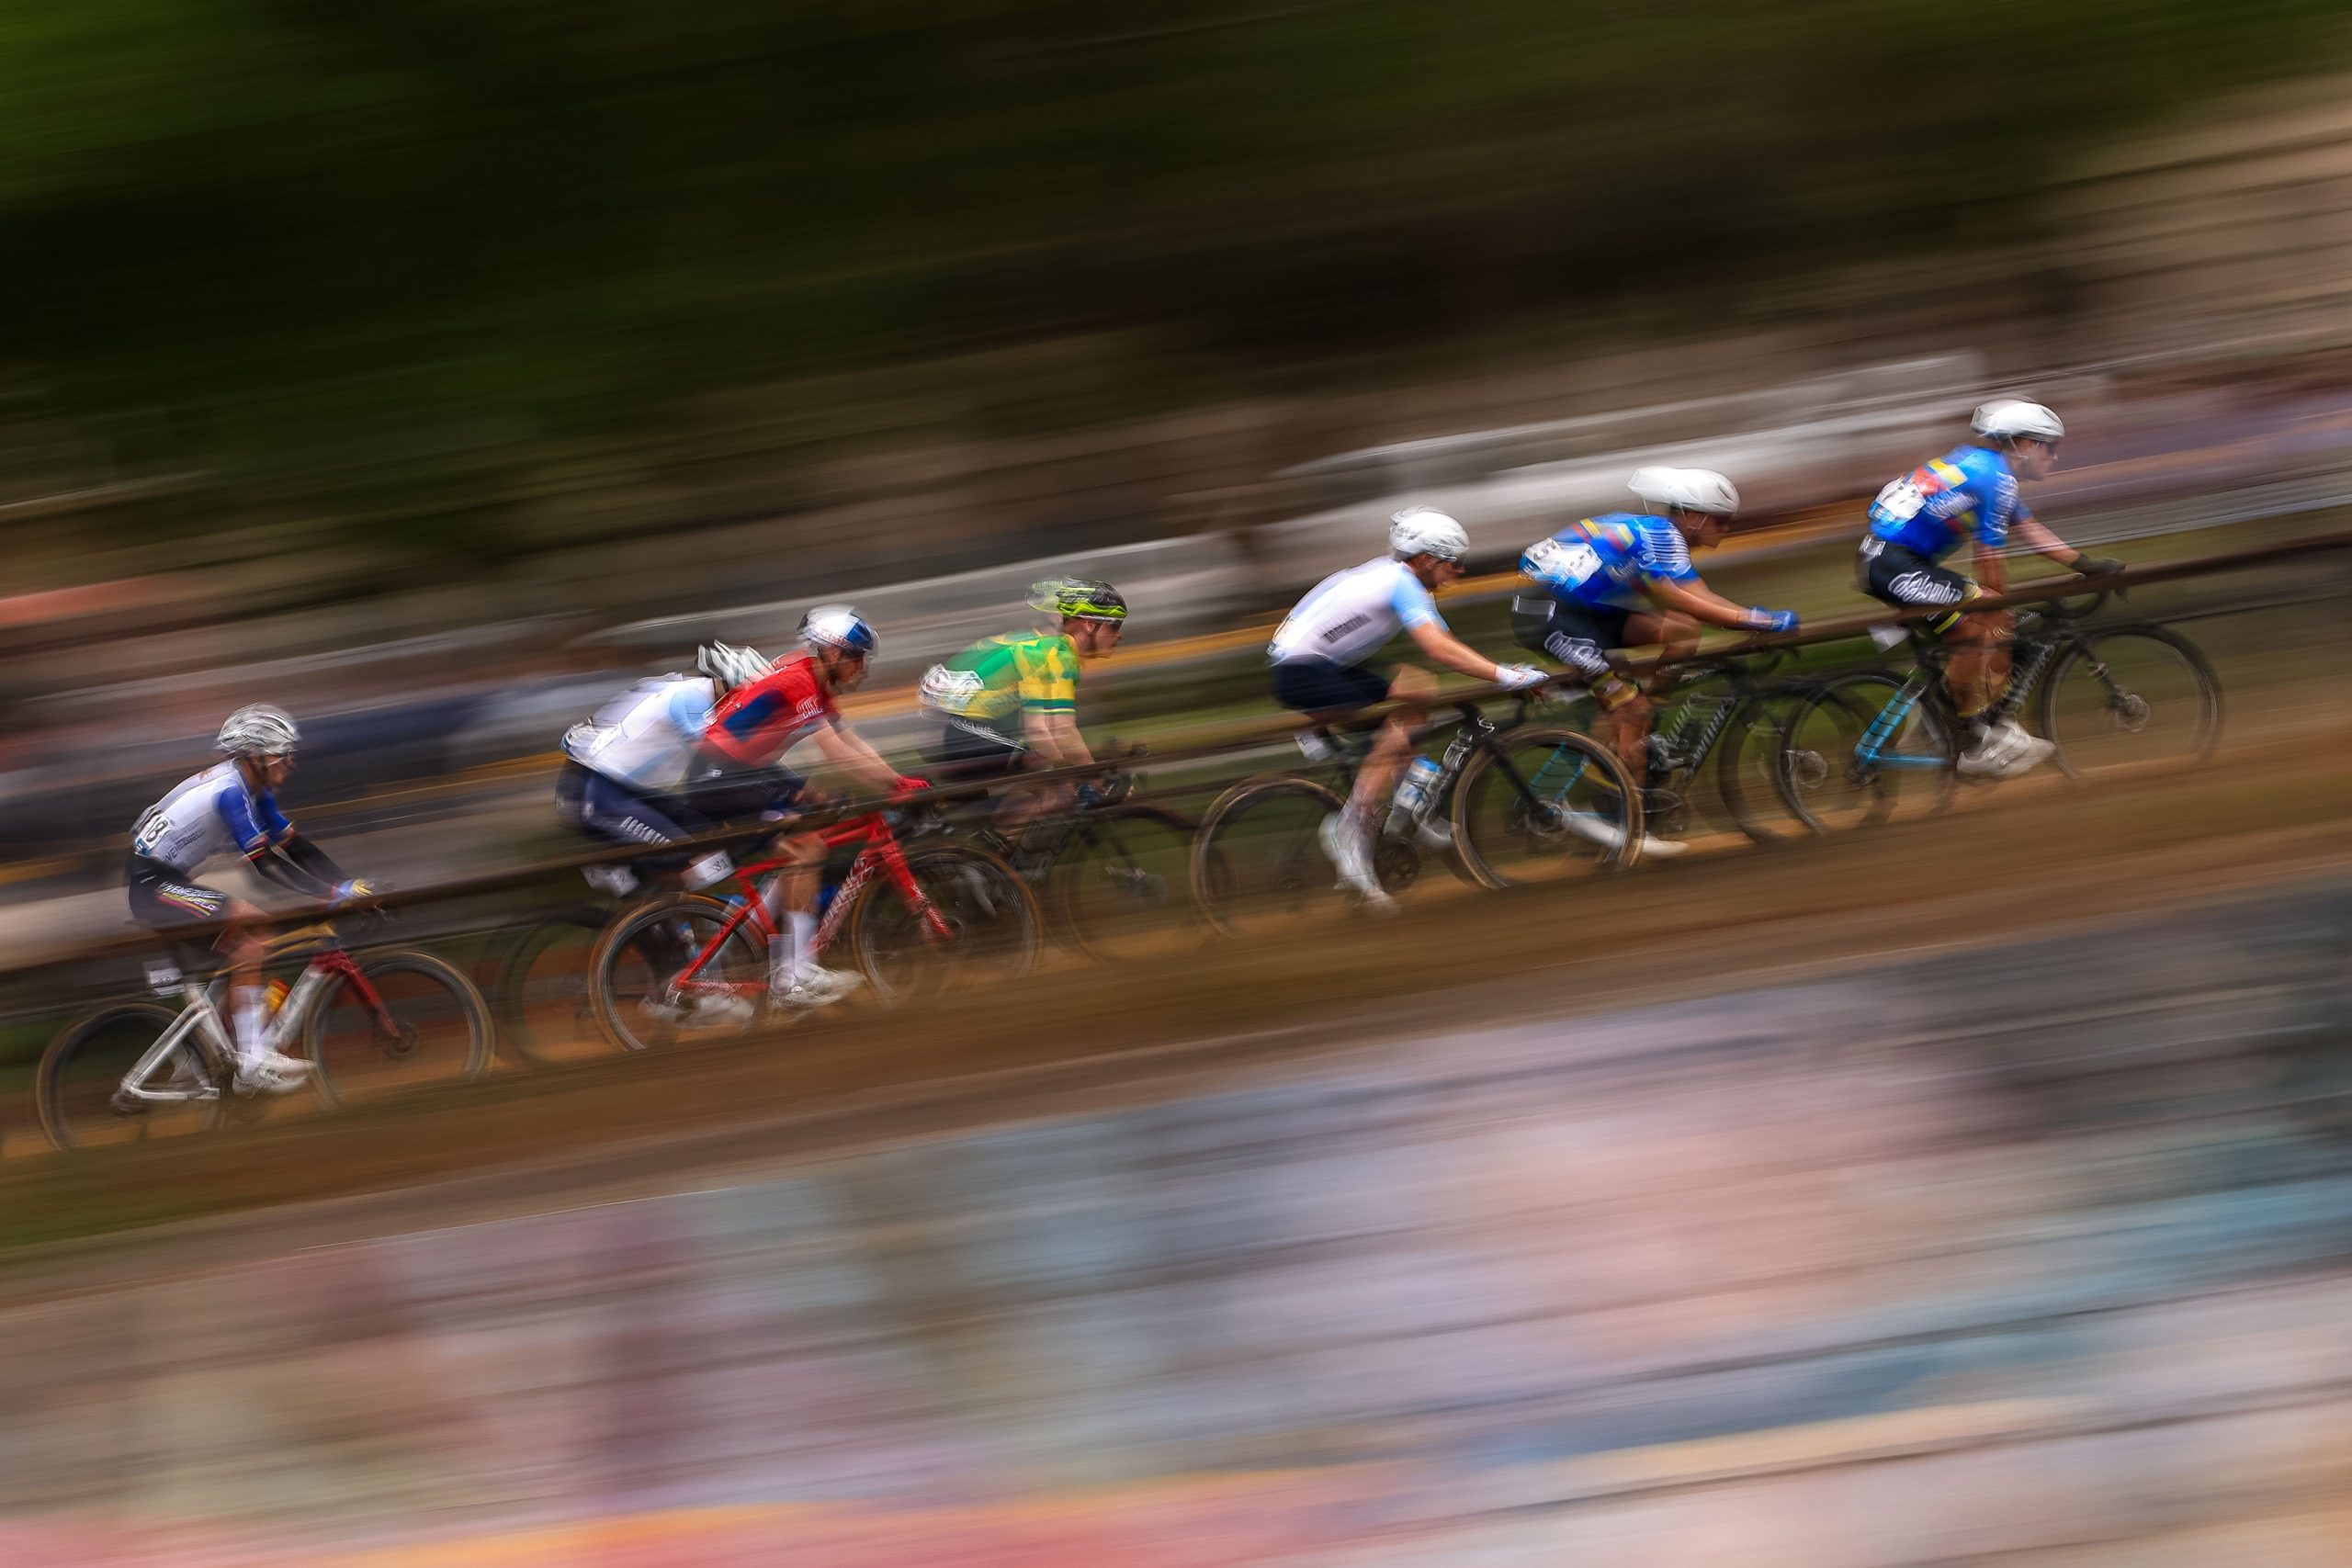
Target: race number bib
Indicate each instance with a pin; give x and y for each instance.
(1901, 500)
(1549, 561)
(150, 833)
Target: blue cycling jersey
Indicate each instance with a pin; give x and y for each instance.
(1605, 560)
(1969, 494)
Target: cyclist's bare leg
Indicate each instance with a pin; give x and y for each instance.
(1626, 726)
(241, 948)
(1979, 668)
(1411, 689)
(792, 903)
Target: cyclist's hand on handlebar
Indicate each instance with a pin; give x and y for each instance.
(2097, 566)
(346, 892)
(905, 784)
(1772, 622)
(1519, 677)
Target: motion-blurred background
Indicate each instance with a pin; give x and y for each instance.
(433, 368)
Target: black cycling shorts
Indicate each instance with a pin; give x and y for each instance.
(969, 753)
(1322, 687)
(1897, 575)
(1578, 635)
(162, 898)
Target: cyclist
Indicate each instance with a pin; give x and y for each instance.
(1971, 493)
(1319, 655)
(1625, 578)
(231, 808)
(751, 729)
(1009, 703)
(627, 771)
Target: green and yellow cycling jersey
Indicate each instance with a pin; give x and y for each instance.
(995, 681)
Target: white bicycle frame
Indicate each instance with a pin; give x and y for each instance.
(200, 1018)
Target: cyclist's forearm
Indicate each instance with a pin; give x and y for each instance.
(298, 867)
(1702, 603)
(1455, 654)
(847, 751)
(2042, 542)
(1054, 739)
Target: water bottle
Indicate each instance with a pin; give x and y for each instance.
(1413, 790)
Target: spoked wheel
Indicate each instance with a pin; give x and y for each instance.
(1845, 764)
(991, 927)
(2134, 699)
(660, 976)
(544, 1011)
(426, 1025)
(1122, 887)
(1748, 762)
(1542, 804)
(78, 1086)
(1259, 863)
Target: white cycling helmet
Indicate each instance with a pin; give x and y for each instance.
(2008, 418)
(1423, 530)
(730, 667)
(259, 729)
(1686, 490)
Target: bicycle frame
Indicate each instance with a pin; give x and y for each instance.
(2028, 658)
(200, 1017)
(881, 856)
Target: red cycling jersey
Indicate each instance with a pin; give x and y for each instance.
(761, 720)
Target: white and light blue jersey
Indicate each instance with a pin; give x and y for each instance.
(648, 737)
(1350, 614)
(212, 813)
(1968, 493)
(1605, 560)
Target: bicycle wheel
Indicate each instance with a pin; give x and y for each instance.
(1541, 803)
(1123, 888)
(1851, 758)
(75, 1084)
(993, 928)
(638, 987)
(426, 1025)
(1747, 767)
(2136, 698)
(541, 1001)
(1258, 860)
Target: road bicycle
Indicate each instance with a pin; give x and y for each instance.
(138, 1071)
(1876, 744)
(1505, 804)
(928, 918)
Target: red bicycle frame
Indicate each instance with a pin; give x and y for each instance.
(880, 856)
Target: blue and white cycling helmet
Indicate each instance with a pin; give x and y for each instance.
(1425, 531)
(259, 729)
(838, 626)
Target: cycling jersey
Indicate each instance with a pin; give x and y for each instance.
(1967, 493)
(763, 719)
(1350, 614)
(1604, 561)
(212, 813)
(992, 683)
(646, 737)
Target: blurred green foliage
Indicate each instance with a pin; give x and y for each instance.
(288, 226)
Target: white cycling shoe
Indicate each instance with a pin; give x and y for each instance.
(2004, 752)
(1609, 836)
(271, 1072)
(815, 987)
(1353, 862)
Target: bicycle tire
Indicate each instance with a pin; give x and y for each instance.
(66, 1100)
(995, 926)
(1299, 881)
(1149, 897)
(1824, 784)
(1751, 744)
(459, 1051)
(531, 1009)
(2081, 758)
(632, 1017)
(1544, 831)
